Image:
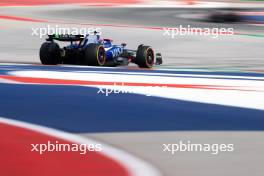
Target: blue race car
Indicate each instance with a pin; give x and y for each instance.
(94, 51)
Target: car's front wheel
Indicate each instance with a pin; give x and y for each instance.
(145, 56)
(94, 54)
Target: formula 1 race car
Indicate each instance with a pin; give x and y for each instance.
(91, 50)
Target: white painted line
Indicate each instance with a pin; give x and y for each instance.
(12, 71)
(141, 78)
(175, 75)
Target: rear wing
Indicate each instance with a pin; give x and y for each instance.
(65, 37)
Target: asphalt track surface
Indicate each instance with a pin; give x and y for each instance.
(139, 129)
(181, 51)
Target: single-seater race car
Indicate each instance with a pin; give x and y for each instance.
(94, 51)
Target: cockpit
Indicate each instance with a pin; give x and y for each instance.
(107, 43)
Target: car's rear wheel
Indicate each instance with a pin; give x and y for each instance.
(95, 55)
(145, 56)
(50, 53)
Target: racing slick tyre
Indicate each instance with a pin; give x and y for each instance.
(145, 56)
(94, 54)
(50, 53)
